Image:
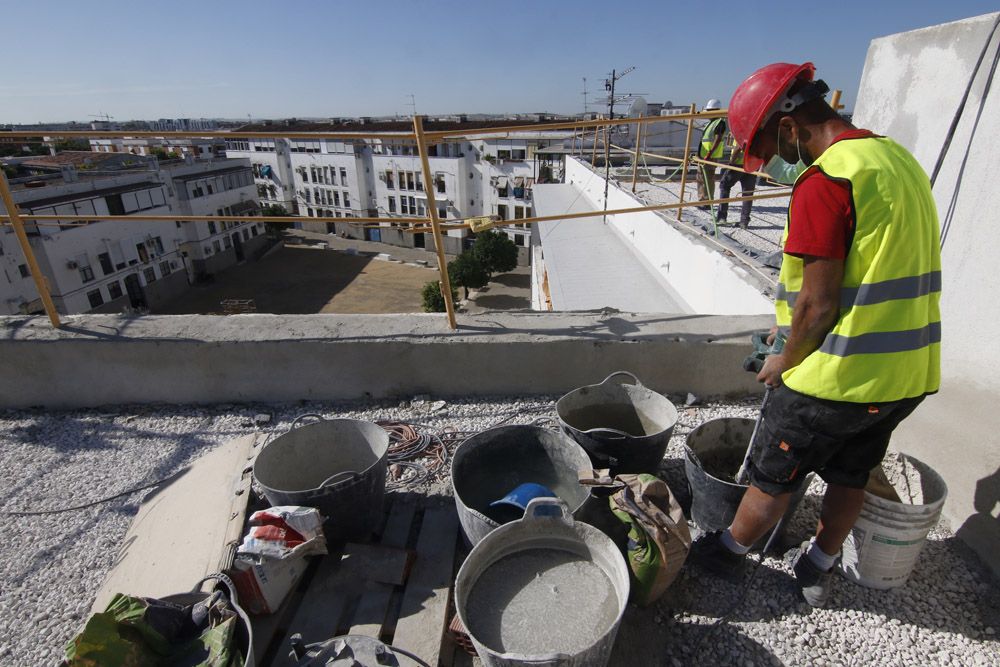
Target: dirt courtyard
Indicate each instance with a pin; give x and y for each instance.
(301, 279)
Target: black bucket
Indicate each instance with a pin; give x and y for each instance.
(337, 466)
(624, 427)
(713, 454)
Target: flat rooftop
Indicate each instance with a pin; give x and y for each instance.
(52, 565)
(589, 265)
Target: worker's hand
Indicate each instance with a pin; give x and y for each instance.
(774, 366)
(771, 336)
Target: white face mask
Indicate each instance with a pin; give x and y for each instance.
(781, 171)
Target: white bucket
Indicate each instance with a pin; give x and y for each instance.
(888, 537)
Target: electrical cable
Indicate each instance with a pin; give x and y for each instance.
(92, 503)
(961, 105)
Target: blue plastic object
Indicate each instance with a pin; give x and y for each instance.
(523, 494)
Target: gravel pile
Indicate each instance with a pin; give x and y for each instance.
(52, 565)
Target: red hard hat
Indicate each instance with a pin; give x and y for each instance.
(754, 100)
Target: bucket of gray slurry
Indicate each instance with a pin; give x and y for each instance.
(337, 466)
(713, 454)
(492, 463)
(544, 590)
(625, 427)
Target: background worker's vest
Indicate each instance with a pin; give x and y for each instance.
(886, 344)
(708, 138)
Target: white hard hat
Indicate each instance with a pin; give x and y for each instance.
(713, 104)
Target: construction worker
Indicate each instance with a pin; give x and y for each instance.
(858, 300)
(730, 177)
(710, 149)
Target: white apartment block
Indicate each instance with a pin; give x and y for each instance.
(111, 266)
(383, 178)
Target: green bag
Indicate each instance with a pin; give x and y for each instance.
(195, 630)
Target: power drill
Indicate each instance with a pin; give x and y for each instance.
(761, 349)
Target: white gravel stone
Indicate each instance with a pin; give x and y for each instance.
(52, 565)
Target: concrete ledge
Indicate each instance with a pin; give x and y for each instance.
(106, 359)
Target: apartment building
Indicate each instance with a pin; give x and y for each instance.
(384, 177)
(111, 266)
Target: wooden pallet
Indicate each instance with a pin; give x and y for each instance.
(396, 588)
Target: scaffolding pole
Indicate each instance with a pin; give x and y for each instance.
(41, 282)
(684, 169)
(432, 213)
(635, 156)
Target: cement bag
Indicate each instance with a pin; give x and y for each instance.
(285, 531)
(659, 538)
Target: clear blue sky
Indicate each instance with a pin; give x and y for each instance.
(140, 59)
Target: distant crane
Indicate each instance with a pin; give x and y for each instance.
(103, 116)
(413, 103)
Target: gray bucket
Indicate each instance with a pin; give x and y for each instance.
(624, 427)
(713, 454)
(509, 599)
(490, 464)
(337, 466)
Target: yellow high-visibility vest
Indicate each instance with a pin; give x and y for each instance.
(886, 344)
(708, 138)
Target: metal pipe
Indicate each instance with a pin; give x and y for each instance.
(684, 170)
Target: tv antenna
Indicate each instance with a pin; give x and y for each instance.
(584, 93)
(609, 85)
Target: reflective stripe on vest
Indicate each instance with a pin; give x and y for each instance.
(885, 345)
(708, 138)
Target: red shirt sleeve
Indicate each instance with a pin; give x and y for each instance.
(821, 219)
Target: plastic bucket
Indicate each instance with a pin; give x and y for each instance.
(337, 466)
(508, 597)
(888, 537)
(490, 464)
(713, 454)
(624, 427)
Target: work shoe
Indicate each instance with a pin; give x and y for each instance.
(709, 553)
(814, 583)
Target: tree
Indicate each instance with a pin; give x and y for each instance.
(433, 298)
(466, 270)
(495, 252)
(275, 228)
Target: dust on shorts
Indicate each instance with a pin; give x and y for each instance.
(839, 441)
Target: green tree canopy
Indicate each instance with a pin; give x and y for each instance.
(466, 270)
(495, 252)
(433, 298)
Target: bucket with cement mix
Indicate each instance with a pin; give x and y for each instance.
(713, 454)
(623, 427)
(491, 464)
(337, 466)
(888, 537)
(544, 590)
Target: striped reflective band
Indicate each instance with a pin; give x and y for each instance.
(872, 293)
(882, 342)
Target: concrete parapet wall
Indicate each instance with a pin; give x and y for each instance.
(104, 359)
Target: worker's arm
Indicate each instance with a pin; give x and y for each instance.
(817, 309)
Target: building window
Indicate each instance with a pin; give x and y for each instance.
(502, 211)
(336, 198)
(164, 268)
(227, 242)
(518, 212)
(347, 202)
(392, 209)
(105, 260)
(503, 155)
(211, 227)
(23, 268)
(86, 274)
(518, 154)
(388, 180)
(95, 298)
(409, 181)
(216, 246)
(208, 186)
(343, 176)
(439, 182)
(246, 234)
(114, 290)
(158, 244)
(253, 231)
(150, 275)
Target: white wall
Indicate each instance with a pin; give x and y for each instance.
(910, 91)
(706, 279)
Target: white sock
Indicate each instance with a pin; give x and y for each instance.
(820, 558)
(730, 543)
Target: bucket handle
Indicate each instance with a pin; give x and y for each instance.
(334, 478)
(295, 423)
(547, 509)
(635, 380)
(550, 659)
(609, 433)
